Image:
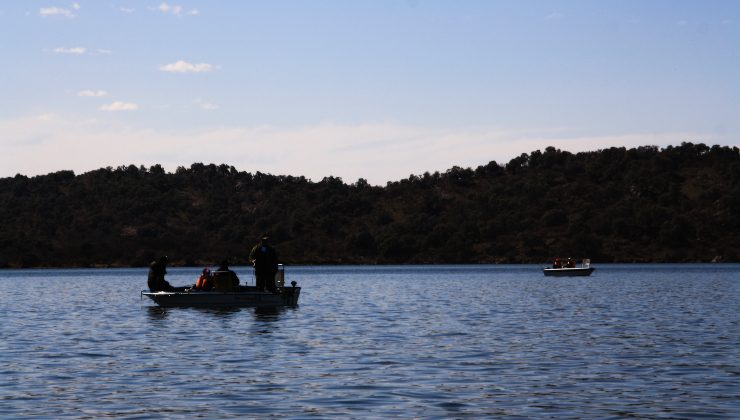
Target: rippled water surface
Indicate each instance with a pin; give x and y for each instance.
(378, 342)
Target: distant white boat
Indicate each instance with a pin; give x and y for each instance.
(584, 270)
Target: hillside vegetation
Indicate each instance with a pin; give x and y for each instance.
(676, 204)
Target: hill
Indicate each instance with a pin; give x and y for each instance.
(676, 204)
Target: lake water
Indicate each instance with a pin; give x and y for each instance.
(379, 342)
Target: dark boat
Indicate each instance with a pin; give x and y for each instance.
(226, 294)
(242, 296)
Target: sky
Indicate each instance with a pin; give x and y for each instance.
(375, 89)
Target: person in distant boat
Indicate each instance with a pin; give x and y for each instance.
(264, 259)
(570, 263)
(205, 281)
(155, 279)
(557, 263)
(224, 279)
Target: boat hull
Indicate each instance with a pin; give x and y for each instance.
(250, 298)
(568, 272)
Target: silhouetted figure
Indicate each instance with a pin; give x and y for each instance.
(557, 263)
(570, 263)
(265, 261)
(225, 280)
(155, 279)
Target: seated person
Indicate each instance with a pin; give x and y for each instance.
(225, 280)
(205, 281)
(155, 279)
(557, 263)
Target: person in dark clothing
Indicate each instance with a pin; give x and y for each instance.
(155, 279)
(557, 263)
(265, 261)
(224, 279)
(570, 263)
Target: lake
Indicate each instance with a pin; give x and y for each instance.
(489, 341)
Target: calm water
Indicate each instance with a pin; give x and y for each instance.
(377, 342)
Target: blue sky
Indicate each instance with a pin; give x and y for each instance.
(358, 89)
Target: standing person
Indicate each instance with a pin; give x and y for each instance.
(265, 261)
(155, 279)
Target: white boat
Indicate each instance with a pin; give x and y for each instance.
(584, 270)
(227, 294)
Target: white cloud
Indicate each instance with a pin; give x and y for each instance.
(75, 50)
(185, 67)
(92, 93)
(119, 106)
(175, 10)
(205, 105)
(126, 10)
(104, 51)
(56, 11)
(378, 152)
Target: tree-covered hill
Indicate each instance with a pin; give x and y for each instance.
(675, 204)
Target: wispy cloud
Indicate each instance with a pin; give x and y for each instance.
(75, 50)
(58, 11)
(175, 10)
(554, 16)
(92, 93)
(126, 10)
(120, 106)
(185, 67)
(205, 105)
(378, 152)
(104, 51)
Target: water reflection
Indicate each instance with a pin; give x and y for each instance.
(268, 314)
(260, 314)
(156, 313)
(220, 312)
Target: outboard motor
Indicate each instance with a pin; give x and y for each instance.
(280, 277)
